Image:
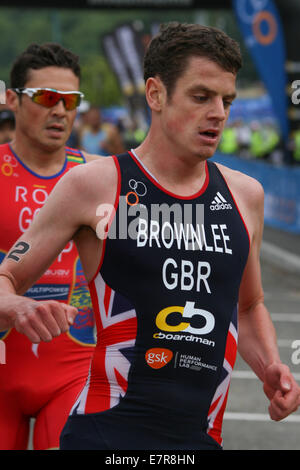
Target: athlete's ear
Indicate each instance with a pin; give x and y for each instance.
(155, 92)
(12, 100)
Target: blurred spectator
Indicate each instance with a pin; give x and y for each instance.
(7, 126)
(264, 140)
(295, 146)
(244, 138)
(271, 138)
(132, 134)
(256, 139)
(229, 140)
(100, 137)
(73, 140)
(79, 126)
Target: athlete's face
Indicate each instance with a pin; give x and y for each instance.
(194, 116)
(48, 128)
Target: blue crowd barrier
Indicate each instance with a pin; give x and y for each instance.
(281, 186)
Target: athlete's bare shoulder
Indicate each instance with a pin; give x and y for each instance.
(248, 194)
(90, 157)
(97, 178)
(243, 187)
(82, 189)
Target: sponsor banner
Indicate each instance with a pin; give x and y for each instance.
(281, 186)
(290, 13)
(260, 25)
(253, 109)
(124, 50)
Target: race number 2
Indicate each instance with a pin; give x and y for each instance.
(20, 249)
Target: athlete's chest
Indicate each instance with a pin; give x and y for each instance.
(22, 197)
(194, 244)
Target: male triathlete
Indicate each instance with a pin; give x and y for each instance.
(179, 264)
(41, 381)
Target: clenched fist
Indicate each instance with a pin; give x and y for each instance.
(43, 321)
(282, 391)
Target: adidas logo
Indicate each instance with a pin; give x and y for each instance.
(219, 203)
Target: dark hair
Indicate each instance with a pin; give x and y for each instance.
(39, 56)
(168, 52)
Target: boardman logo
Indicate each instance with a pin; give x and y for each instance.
(219, 203)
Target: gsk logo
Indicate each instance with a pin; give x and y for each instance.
(158, 357)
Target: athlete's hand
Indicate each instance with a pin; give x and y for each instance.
(282, 391)
(43, 321)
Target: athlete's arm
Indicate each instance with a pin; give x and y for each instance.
(27, 260)
(71, 205)
(257, 335)
(39, 321)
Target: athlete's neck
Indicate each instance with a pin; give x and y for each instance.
(43, 161)
(177, 173)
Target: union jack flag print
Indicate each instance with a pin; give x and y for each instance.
(218, 404)
(116, 333)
